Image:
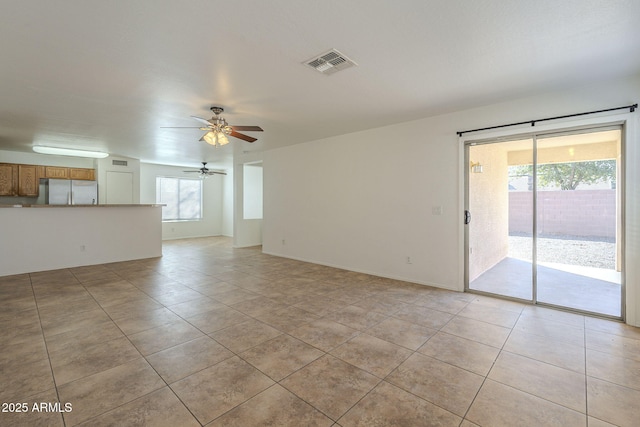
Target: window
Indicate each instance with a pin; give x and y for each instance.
(182, 197)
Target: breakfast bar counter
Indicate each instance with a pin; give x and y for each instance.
(49, 237)
(79, 206)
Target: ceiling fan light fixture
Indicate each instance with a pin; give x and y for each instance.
(210, 138)
(216, 138)
(222, 139)
(218, 130)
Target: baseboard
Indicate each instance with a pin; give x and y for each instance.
(377, 274)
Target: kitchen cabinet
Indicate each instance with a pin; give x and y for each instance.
(84, 174)
(8, 179)
(24, 180)
(28, 182)
(56, 172)
(59, 172)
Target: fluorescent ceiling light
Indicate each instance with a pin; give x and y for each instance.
(69, 152)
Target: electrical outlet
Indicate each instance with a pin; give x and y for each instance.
(283, 241)
(83, 248)
(409, 260)
(436, 210)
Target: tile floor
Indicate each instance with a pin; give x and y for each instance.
(210, 335)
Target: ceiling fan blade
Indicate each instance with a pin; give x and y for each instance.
(243, 136)
(190, 171)
(179, 127)
(216, 173)
(248, 128)
(204, 121)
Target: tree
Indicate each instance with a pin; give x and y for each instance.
(569, 175)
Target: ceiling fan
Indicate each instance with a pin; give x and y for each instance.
(205, 172)
(218, 129)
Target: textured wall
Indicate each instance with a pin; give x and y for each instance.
(489, 207)
(588, 213)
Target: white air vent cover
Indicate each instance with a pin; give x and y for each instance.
(330, 62)
(119, 162)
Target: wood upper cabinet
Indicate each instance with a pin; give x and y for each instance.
(24, 180)
(56, 172)
(79, 173)
(28, 182)
(8, 179)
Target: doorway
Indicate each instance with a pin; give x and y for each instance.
(544, 219)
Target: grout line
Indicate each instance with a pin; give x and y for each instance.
(230, 266)
(486, 376)
(128, 339)
(53, 377)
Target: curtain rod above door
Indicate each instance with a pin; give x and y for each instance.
(631, 108)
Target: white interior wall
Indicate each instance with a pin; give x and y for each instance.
(104, 166)
(211, 223)
(246, 232)
(631, 235)
(365, 201)
(252, 191)
(227, 204)
(50, 238)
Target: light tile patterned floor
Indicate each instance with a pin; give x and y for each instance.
(210, 335)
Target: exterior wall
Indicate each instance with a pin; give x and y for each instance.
(489, 207)
(588, 213)
(578, 153)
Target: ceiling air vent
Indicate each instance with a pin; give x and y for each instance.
(119, 162)
(330, 62)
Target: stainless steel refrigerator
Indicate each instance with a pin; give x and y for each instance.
(71, 192)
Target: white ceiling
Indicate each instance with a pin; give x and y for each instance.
(108, 75)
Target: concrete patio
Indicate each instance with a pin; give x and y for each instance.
(588, 289)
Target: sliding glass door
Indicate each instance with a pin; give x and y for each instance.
(545, 220)
(578, 221)
(500, 244)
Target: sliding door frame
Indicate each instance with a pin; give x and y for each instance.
(505, 136)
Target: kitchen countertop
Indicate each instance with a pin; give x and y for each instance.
(81, 206)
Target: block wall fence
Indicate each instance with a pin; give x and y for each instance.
(582, 213)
